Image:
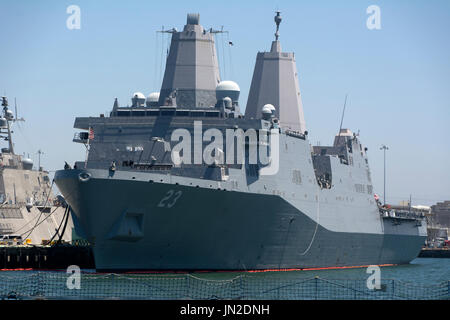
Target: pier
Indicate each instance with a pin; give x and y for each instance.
(62, 256)
(45, 257)
(435, 253)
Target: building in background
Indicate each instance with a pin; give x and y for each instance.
(439, 224)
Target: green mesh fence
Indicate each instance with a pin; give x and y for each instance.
(53, 285)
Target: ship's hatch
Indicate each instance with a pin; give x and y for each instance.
(129, 227)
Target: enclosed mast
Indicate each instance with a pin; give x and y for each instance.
(192, 70)
(275, 82)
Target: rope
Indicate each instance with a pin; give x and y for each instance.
(168, 43)
(219, 56)
(65, 224)
(60, 225)
(229, 53)
(40, 222)
(224, 58)
(317, 224)
(161, 56)
(156, 53)
(45, 206)
(214, 280)
(33, 220)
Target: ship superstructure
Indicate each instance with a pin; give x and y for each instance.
(144, 204)
(29, 211)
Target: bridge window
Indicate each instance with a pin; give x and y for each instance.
(138, 113)
(167, 113)
(212, 114)
(153, 113)
(123, 113)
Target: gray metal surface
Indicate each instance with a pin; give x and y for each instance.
(192, 70)
(209, 229)
(318, 210)
(275, 82)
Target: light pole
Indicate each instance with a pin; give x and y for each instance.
(384, 148)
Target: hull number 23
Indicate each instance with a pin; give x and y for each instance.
(170, 199)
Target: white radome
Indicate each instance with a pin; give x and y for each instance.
(268, 108)
(153, 97)
(9, 115)
(138, 95)
(228, 86)
(228, 89)
(27, 161)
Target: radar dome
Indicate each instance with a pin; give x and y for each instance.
(228, 102)
(228, 86)
(27, 163)
(3, 123)
(9, 115)
(138, 95)
(270, 106)
(138, 99)
(228, 89)
(267, 111)
(152, 99)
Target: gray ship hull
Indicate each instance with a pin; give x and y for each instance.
(147, 201)
(133, 228)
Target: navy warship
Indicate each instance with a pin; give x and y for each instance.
(29, 211)
(145, 204)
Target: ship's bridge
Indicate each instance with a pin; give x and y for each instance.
(168, 111)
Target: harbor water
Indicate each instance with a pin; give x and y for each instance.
(423, 278)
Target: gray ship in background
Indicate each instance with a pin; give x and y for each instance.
(143, 210)
(29, 211)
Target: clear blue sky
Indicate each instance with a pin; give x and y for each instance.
(397, 78)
